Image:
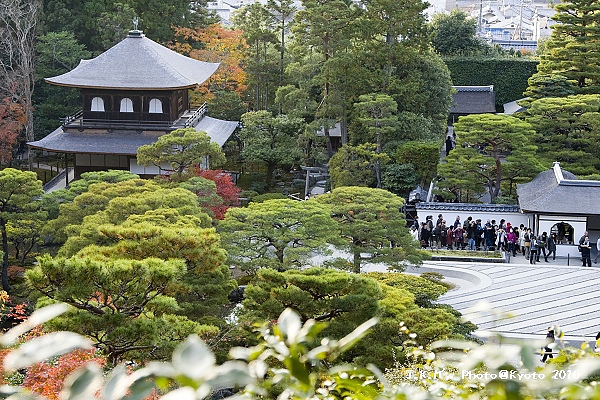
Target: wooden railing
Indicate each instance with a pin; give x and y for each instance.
(77, 121)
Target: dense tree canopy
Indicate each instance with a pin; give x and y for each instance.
(19, 201)
(372, 227)
(566, 130)
(490, 150)
(355, 165)
(56, 53)
(120, 304)
(279, 234)
(572, 50)
(455, 33)
(270, 140)
(182, 149)
(346, 300)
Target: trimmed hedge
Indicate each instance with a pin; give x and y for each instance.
(508, 75)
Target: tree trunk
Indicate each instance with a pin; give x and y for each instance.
(356, 261)
(18, 20)
(270, 171)
(5, 284)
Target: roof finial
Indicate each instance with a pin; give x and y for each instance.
(135, 23)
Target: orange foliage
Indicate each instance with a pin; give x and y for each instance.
(47, 378)
(12, 120)
(3, 353)
(219, 44)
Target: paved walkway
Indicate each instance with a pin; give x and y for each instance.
(523, 300)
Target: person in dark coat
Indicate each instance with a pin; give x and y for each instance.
(449, 144)
(533, 250)
(547, 349)
(551, 245)
(586, 250)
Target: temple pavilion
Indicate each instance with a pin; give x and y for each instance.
(132, 94)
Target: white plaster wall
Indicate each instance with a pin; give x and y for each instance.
(136, 168)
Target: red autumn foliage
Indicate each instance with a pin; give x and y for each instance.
(47, 378)
(12, 119)
(226, 190)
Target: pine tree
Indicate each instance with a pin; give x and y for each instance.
(573, 49)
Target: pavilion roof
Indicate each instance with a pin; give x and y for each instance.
(137, 62)
(556, 191)
(122, 142)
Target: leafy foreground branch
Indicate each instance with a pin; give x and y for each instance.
(288, 364)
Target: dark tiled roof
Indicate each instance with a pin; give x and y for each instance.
(137, 63)
(123, 142)
(467, 207)
(473, 100)
(547, 193)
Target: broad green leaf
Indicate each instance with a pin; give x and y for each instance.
(7, 390)
(298, 370)
(117, 384)
(45, 347)
(141, 389)
(83, 383)
(290, 324)
(527, 354)
(193, 358)
(353, 337)
(38, 317)
(231, 374)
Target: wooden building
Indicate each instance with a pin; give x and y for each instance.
(469, 100)
(132, 94)
(555, 201)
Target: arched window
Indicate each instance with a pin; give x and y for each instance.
(126, 105)
(564, 233)
(97, 104)
(155, 106)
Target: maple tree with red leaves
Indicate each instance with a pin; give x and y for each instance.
(47, 378)
(226, 190)
(12, 120)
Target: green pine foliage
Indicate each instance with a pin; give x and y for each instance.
(566, 130)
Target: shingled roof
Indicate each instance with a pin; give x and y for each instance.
(123, 142)
(137, 62)
(473, 100)
(556, 191)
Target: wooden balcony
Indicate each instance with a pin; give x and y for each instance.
(112, 121)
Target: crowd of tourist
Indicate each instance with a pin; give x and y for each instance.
(474, 234)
